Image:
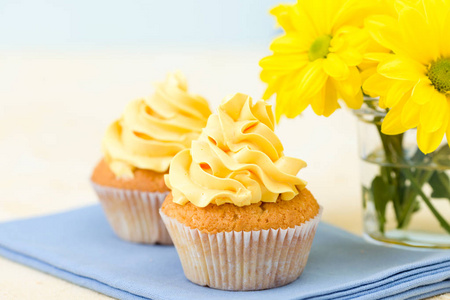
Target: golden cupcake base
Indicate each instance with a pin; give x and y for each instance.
(243, 260)
(134, 215)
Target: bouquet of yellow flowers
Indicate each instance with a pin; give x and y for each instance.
(388, 57)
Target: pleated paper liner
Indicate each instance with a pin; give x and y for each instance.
(243, 260)
(134, 215)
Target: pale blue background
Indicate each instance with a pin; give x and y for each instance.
(92, 24)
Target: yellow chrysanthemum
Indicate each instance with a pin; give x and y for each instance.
(414, 80)
(315, 61)
(374, 51)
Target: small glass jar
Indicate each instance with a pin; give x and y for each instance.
(405, 193)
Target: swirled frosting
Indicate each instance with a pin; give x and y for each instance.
(237, 159)
(153, 129)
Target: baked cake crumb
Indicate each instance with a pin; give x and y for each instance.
(144, 180)
(229, 217)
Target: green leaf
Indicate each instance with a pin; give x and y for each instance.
(440, 183)
(416, 206)
(442, 156)
(382, 193)
(418, 157)
(366, 196)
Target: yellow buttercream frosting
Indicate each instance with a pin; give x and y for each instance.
(153, 129)
(237, 159)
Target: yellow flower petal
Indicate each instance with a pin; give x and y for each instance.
(354, 102)
(376, 85)
(351, 57)
(322, 12)
(290, 43)
(330, 99)
(286, 103)
(326, 102)
(281, 100)
(318, 104)
(337, 43)
(422, 92)
(284, 63)
(448, 132)
(355, 38)
(402, 68)
(411, 114)
(400, 5)
(367, 73)
(303, 23)
(282, 12)
(429, 141)
(397, 91)
(434, 113)
(292, 111)
(435, 12)
(269, 76)
(392, 123)
(275, 80)
(335, 67)
(311, 79)
(384, 30)
(420, 41)
(351, 86)
(378, 56)
(381, 102)
(292, 106)
(283, 97)
(353, 12)
(445, 41)
(272, 87)
(269, 92)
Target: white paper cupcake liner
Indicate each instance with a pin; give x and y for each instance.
(134, 215)
(243, 260)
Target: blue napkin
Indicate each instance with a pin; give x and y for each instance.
(79, 246)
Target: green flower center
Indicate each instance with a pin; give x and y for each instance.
(319, 48)
(439, 74)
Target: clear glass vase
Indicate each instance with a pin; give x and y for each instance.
(406, 194)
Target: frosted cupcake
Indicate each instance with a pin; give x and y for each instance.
(238, 215)
(138, 148)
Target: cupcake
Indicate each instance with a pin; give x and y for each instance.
(137, 150)
(237, 213)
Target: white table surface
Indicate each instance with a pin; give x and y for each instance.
(56, 106)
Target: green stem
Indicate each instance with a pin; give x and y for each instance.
(386, 142)
(411, 198)
(427, 201)
(405, 197)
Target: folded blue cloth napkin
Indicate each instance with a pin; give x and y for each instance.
(79, 246)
